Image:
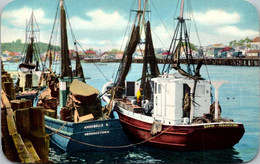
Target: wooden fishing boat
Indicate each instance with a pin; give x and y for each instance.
(74, 117)
(28, 77)
(177, 111)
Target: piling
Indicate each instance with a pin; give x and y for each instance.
(23, 131)
(23, 126)
(38, 135)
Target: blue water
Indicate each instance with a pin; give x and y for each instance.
(239, 101)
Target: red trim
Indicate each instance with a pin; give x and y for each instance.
(188, 137)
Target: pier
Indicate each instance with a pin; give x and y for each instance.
(23, 132)
(208, 61)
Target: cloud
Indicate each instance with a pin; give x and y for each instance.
(100, 44)
(217, 17)
(99, 20)
(161, 37)
(12, 34)
(235, 31)
(18, 17)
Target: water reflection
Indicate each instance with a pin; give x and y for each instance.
(144, 154)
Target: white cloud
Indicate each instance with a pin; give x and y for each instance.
(100, 21)
(235, 31)
(18, 17)
(100, 44)
(217, 17)
(12, 34)
(161, 37)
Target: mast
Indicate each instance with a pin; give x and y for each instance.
(31, 51)
(65, 61)
(181, 11)
(181, 42)
(128, 53)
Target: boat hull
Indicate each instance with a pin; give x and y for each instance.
(86, 136)
(210, 136)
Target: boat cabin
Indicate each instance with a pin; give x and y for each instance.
(27, 80)
(173, 101)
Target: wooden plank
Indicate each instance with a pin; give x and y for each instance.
(10, 122)
(32, 152)
(76, 115)
(86, 117)
(5, 99)
(21, 149)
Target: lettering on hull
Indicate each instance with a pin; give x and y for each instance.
(221, 125)
(96, 133)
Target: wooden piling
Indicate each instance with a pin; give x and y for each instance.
(8, 88)
(37, 119)
(23, 122)
(15, 104)
(38, 135)
(18, 138)
(42, 142)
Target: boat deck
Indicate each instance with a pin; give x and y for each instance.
(126, 104)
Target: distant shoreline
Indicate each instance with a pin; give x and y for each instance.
(255, 61)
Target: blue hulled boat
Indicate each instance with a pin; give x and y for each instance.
(74, 117)
(91, 135)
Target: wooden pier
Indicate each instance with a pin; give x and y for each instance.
(208, 61)
(22, 127)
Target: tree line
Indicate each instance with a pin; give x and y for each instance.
(18, 46)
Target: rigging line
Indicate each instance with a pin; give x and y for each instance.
(175, 13)
(197, 33)
(161, 20)
(92, 63)
(54, 23)
(187, 40)
(126, 47)
(159, 39)
(126, 30)
(171, 49)
(71, 31)
(55, 48)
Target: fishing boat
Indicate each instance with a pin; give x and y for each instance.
(177, 110)
(74, 117)
(27, 78)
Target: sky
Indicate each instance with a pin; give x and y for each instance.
(102, 24)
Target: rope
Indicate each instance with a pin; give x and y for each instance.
(197, 33)
(92, 63)
(161, 19)
(57, 129)
(108, 147)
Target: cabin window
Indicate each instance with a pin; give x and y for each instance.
(159, 88)
(200, 89)
(155, 88)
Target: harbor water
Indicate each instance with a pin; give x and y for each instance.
(239, 100)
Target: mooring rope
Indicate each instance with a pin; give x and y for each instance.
(102, 146)
(57, 129)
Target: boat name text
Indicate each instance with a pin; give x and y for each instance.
(93, 126)
(221, 125)
(96, 133)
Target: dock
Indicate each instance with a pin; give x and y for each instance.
(22, 127)
(208, 61)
